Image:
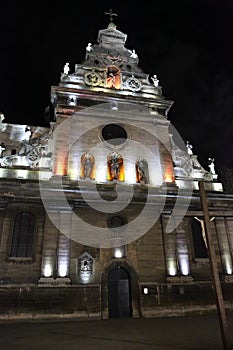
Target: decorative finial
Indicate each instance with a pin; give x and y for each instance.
(189, 148)
(211, 165)
(111, 14)
(89, 47)
(155, 80)
(66, 68)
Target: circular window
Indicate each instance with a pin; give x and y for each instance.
(114, 134)
(116, 221)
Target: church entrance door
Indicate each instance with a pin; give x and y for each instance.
(119, 293)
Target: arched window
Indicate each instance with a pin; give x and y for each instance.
(115, 167)
(87, 168)
(199, 239)
(22, 239)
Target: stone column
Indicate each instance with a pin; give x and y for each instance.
(49, 249)
(182, 251)
(170, 249)
(63, 251)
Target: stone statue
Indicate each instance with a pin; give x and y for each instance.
(89, 47)
(155, 80)
(133, 54)
(88, 163)
(211, 166)
(142, 170)
(27, 134)
(114, 166)
(189, 148)
(2, 127)
(2, 148)
(66, 68)
(1, 117)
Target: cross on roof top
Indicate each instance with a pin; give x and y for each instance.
(111, 14)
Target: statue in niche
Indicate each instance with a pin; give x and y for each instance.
(85, 266)
(115, 167)
(87, 166)
(211, 166)
(113, 77)
(142, 171)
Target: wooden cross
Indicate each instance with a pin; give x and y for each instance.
(111, 14)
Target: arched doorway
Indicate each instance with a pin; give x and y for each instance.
(119, 298)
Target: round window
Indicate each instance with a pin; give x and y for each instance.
(116, 221)
(114, 134)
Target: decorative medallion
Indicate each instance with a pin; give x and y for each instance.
(133, 84)
(92, 79)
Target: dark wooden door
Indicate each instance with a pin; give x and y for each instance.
(119, 293)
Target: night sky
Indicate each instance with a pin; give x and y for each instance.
(187, 43)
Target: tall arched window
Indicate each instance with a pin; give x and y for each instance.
(199, 241)
(22, 239)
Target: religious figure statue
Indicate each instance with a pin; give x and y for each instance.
(87, 166)
(133, 54)
(142, 170)
(2, 127)
(66, 68)
(114, 166)
(89, 47)
(189, 148)
(2, 117)
(155, 80)
(2, 148)
(27, 133)
(211, 166)
(113, 77)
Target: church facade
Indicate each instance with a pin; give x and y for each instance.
(100, 211)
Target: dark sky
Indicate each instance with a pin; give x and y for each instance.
(187, 43)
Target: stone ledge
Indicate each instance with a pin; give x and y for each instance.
(54, 282)
(179, 279)
(228, 278)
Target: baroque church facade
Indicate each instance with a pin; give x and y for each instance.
(100, 211)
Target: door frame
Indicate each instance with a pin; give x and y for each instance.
(134, 288)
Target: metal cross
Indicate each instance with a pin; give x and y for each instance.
(111, 14)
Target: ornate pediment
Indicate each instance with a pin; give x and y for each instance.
(111, 36)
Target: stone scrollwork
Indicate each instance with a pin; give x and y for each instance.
(32, 153)
(133, 84)
(92, 78)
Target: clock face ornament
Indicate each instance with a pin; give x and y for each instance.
(133, 84)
